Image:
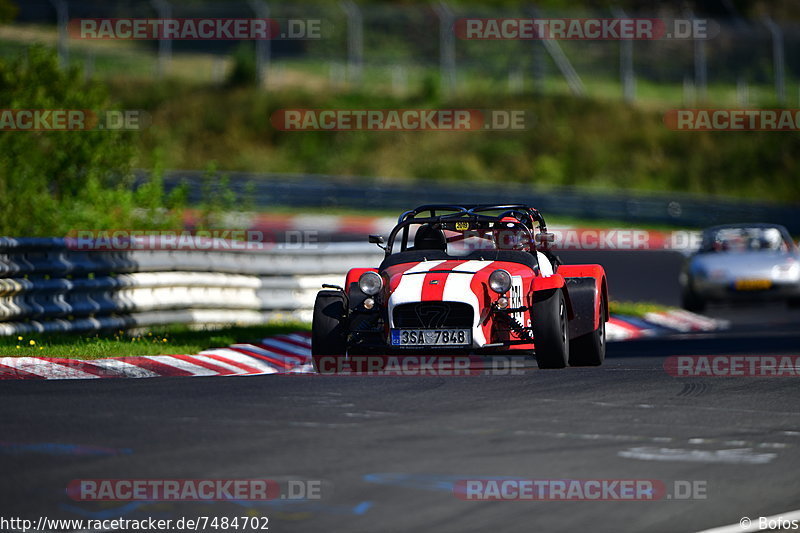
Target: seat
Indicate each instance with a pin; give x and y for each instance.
(429, 238)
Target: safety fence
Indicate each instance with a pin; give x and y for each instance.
(403, 47)
(47, 285)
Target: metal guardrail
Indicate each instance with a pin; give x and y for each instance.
(46, 285)
(316, 191)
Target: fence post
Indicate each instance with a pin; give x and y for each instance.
(700, 69)
(516, 80)
(263, 46)
(539, 68)
(537, 52)
(399, 80)
(777, 59)
(700, 66)
(562, 61)
(62, 12)
(164, 11)
(742, 92)
(689, 94)
(355, 41)
(627, 77)
(88, 69)
(447, 48)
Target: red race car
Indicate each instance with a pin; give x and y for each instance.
(473, 279)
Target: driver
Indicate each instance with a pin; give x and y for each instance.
(772, 240)
(512, 233)
(508, 235)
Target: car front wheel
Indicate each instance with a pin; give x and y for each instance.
(329, 331)
(550, 333)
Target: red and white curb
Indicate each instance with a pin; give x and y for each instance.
(659, 324)
(273, 355)
(282, 354)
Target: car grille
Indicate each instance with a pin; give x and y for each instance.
(433, 315)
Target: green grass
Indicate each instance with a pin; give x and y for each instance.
(635, 309)
(180, 339)
(597, 144)
(155, 341)
(604, 145)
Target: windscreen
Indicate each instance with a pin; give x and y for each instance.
(460, 239)
(747, 239)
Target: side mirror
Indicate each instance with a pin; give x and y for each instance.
(545, 237)
(377, 239)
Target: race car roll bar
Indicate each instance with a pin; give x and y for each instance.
(472, 214)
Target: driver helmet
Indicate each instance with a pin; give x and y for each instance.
(510, 234)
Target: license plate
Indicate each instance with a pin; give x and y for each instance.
(752, 284)
(431, 337)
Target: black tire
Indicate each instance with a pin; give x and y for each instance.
(550, 331)
(329, 330)
(691, 301)
(590, 349)
(793, 303)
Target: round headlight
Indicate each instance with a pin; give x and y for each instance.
(500, 281)
(786, 271)
(370, 283)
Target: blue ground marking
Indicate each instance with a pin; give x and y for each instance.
(311, 506)
(423, 481)
(115, 512)
(52, 448)
(437, 482)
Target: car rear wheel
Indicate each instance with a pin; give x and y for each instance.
(590, 349)
(550, 333)
(329, 331)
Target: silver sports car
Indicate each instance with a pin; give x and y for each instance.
(742, 262)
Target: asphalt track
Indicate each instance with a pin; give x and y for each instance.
(387, 449)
